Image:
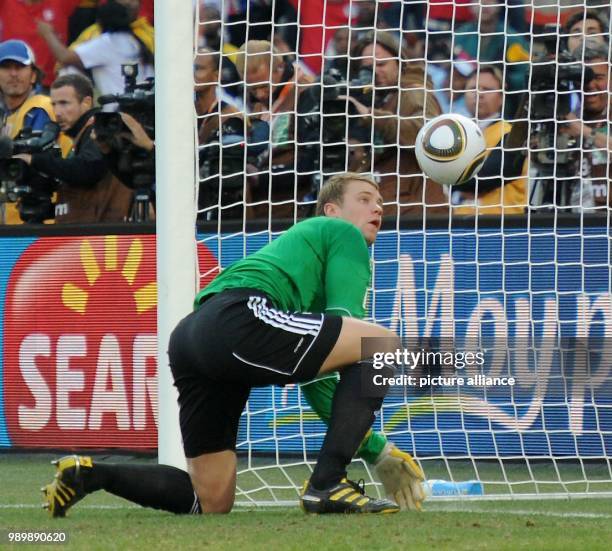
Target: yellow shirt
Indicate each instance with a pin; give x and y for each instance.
(14, 122)
(510, 198)
(141, 29)
(14, 125)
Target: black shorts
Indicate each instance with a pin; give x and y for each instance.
(235, 341)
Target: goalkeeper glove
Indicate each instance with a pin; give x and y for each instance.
(401, 476)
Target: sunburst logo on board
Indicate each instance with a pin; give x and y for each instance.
(76, 298)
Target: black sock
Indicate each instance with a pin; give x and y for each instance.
(351, 417)
(158, 486)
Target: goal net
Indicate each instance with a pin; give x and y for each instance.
(514, 265)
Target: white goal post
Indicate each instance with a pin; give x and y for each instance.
(175, 214)
(529, 284)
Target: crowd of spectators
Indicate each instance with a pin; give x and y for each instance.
(56, 58)
(352, 89)
(289, 92)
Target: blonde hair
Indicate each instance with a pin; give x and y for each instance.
(255, 52)
(333, 190)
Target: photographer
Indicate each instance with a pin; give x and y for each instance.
(220, 135)
(498, 188)
(583, 23)
(19, 80)
(560, 170)
(271, 80)
(87, 191)
(129, 152)
(401, 103)
(125, 134)
(591, 131)
(22, 106)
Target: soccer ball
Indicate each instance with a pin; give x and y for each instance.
(450, 149)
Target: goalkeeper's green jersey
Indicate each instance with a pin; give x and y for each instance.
(319, 265)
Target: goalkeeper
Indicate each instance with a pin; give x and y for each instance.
(211, 407)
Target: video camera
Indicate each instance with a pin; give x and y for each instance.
(322, 119)
(22, 184)
(134, 166)
(223, 156)
(552, 86)
(554, 77)
(137, 100)
(555, 157)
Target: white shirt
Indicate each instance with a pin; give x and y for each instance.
(104, 56)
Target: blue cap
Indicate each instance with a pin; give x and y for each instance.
(16, 50)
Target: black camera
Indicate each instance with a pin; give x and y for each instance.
(556, 156)
(556, 77)
(222, 156)
(322, 113)
(19, 182)
(552, 82)
(134, 166)
(323, 125)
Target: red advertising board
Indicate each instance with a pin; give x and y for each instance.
(80, 351)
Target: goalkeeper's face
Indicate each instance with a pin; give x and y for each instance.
(362, 206)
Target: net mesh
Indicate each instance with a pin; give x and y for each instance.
(515, 263)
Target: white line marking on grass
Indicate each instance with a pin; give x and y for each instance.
(525, 512)
(39, 506)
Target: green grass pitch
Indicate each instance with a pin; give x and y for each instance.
(102, 521)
